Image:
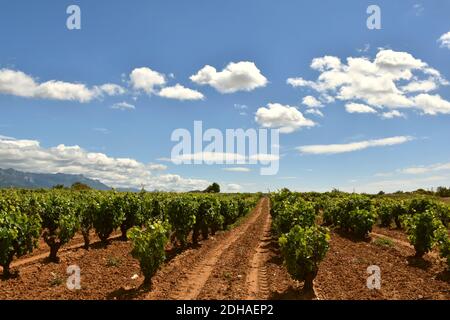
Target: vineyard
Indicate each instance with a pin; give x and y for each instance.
(284, 245)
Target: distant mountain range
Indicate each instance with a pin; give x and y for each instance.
(18, 179)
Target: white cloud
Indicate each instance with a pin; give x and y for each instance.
(359, 108)
(432, 104)
(300, 82)
(233, 187)
(28, 155)
(316, 112)
(392, 114)
(240, 76)
(18, 83)
(111, 89)
(387, 81)
(237, 169)
(426, 169)
(123, 106)
(179, 92)
(444, 40)
(354, 146)
(146, 79)
(393, 185)
(311, 102)
(284, 117)
(420, 86)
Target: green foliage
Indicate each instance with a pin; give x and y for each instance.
(88, 206)
(78, 186)
(60, 213)
(181, 213)
(303, 248)
(214, 188)
(207, 218)
(361, 222)
(443, 192)
(59, 222)
(384, 242)
(19, 233)
(229, 211)
(109, 216)
(148, 247)
(290, 213)
(353, 214)
(131, 208)
(385, 210)
(423, 231)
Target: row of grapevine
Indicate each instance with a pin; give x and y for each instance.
(148, 219)
(425, 219)
(352, 214)
(303, 243)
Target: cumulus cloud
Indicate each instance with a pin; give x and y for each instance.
(393, 114)
(444, 40)
(311, 102)
(393, 185)
(359, 108)
(20, 84)
(353, 146)
(29, 155)
(179, 92)
(426, 169)
(111, 89)
(432, 104)
(240, 76)
(233, 187)
(390, 80)
(284, 117)
(123, 106)
(314, 112)
(145, 79)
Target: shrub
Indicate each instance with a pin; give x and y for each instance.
(59, 222)
(353, 214)
(87, 208)
(19, 233)
(300, 212)
(443, 242)
(303, 248)
(385, 210)
(229, 211)
(131, 207)
(420, 205)
(109, 216)
(422, 230)
(181, 212)
(398, 211)
(148, 247)
(361, 222)
(207, 217)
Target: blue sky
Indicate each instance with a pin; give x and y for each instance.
(51, 94)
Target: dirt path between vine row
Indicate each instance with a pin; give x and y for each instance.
(221, 268)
